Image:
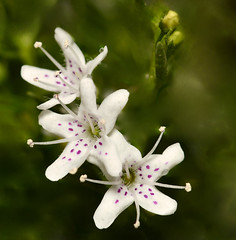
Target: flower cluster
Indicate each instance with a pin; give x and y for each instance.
(90, 135)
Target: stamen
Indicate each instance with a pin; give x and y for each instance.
(137, 223)
(36, 79)
(162, 130)
(73, 171)
(38, 44)
(66, 43)
(90, 122)
(127, 170)
(57, 64)
(187, 187)
(56, 96)
(84, 178)
(31, 143)
(68, 84)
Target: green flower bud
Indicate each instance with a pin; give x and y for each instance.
(170, 21)
(176, 38)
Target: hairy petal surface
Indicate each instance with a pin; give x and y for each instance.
(43, 78)
(73, 156)
(88, 96)
(105, 151)
(93, 63)
(113, 203)
(60, 124)
(154, 201)
(111, 107)
(159, 165)
(73, 52)
(66, 98)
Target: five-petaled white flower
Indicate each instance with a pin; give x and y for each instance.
(86, 132)
(65, 80)
(137, 182)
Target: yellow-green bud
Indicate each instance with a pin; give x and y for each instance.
(170, 21)
(176, 38)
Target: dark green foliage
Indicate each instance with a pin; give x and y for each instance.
(196, 104)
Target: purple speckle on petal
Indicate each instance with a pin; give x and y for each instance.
(64, 84)
(152, 193)
(135, 189)
(59, 124)
(95, 146)
(85, 144)
(141, 185)
(116, 201)
(156, 169)
(100, 143)
(76, 144)
(106, 153)
(149, 176)
(140, 192)
(64, 157)
(46, 75)
(126, 193)
(80, 70)
(57, 82)
(146, 196)
(79, 125)
(78, 152)
(69, 159)
(148, 167)
(70, 129)
(70, 123)
(72, 150)
(155, 202)
(149, 189)
(166, 163)
(81, 140)
(118, 190)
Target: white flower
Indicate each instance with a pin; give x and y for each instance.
(137, 182)
(86, 132)
(65, 80)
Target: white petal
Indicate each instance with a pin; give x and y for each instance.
(158, 165)
(42, 78)
(73, 156)
(66, 98)
(74, 51)
(112, 106)
(60, 124)
(154, 201)
(126, 151)
(113, 203)
(105, 151)
(93, 63)
(88, 95)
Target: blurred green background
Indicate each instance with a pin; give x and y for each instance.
(198, 108)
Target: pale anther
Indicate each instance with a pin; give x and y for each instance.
(36, 79)
(137, 224)
(66, 43)
(30, 142)
(57, 73)
(73, 171)
(162, 128)
(38, 44)
(83, 178)
(188, 187)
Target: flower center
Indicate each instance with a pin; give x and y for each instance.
(95, 132)
(128, 178)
